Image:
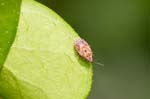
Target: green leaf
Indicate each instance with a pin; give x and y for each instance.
(9, 14)
(42, 62)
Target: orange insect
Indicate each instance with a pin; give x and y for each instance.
(84, 50)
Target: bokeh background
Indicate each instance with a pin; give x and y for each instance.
(117, 31)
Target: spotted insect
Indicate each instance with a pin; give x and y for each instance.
(84, 50)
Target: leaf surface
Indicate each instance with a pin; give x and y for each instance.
(42, 62)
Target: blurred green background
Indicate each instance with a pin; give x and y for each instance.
(117, 31)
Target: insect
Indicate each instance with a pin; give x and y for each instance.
(84, 50)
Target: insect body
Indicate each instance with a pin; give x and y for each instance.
(84, 50)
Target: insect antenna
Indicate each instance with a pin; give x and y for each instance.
(98, 63)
